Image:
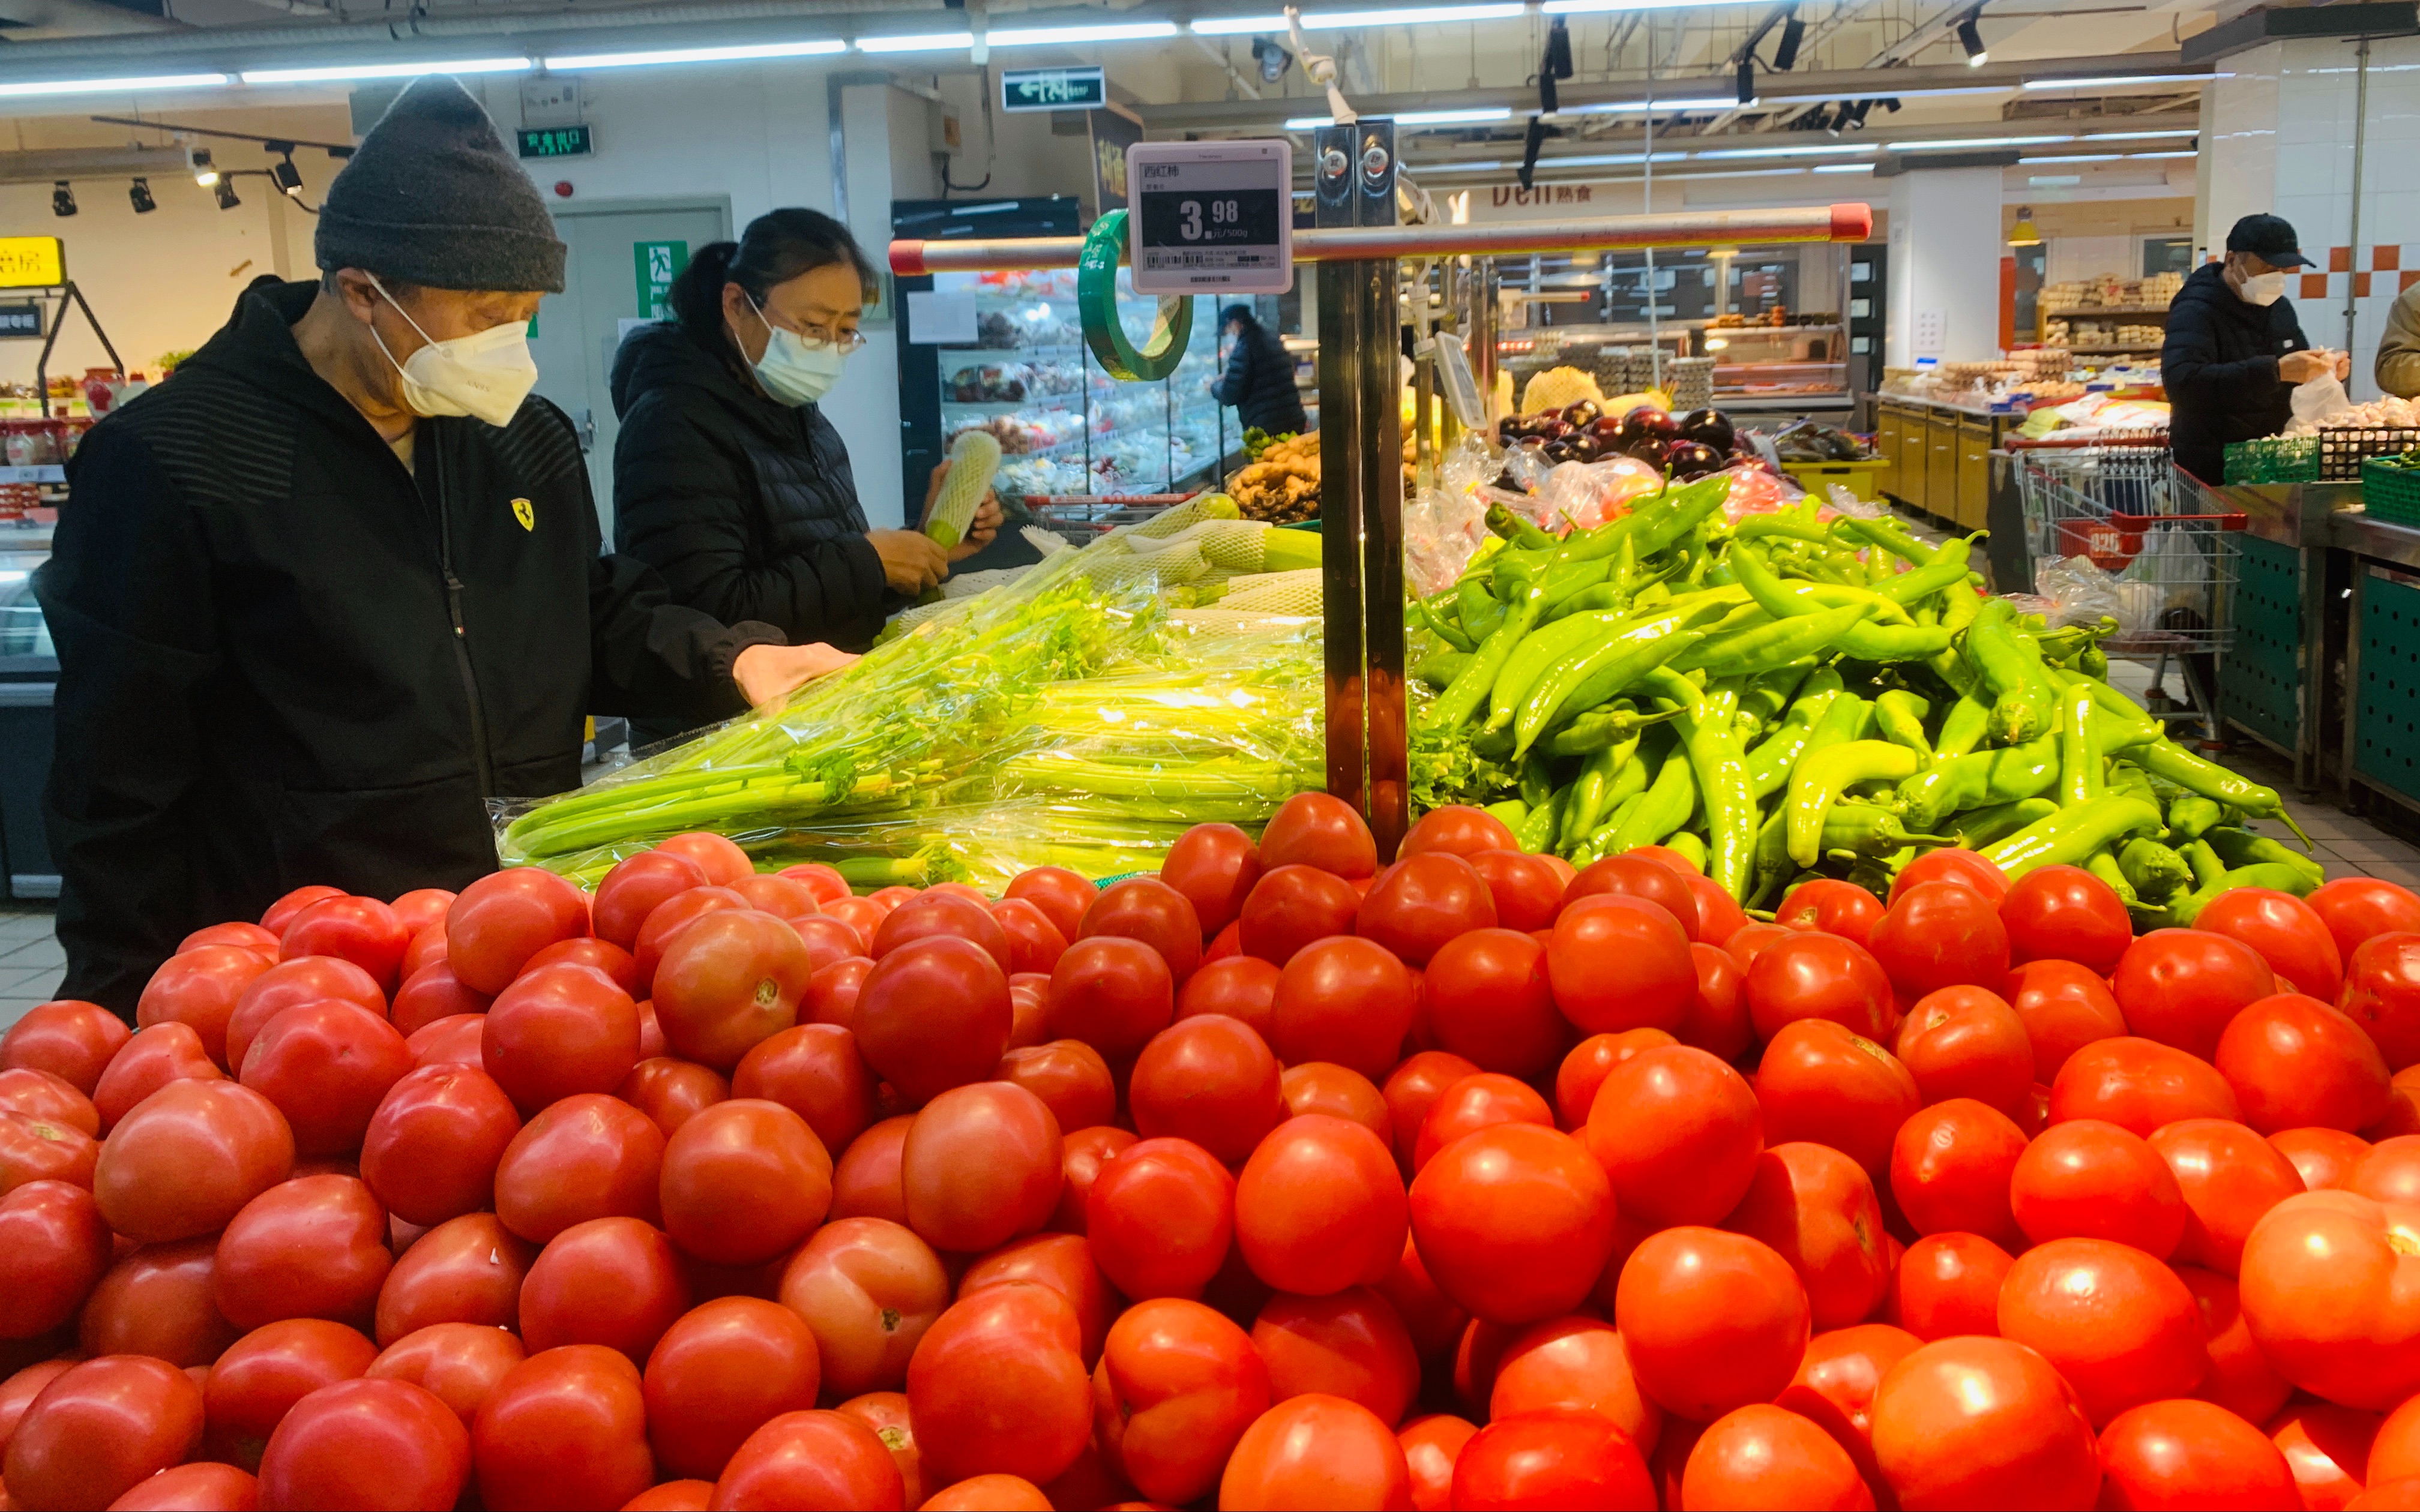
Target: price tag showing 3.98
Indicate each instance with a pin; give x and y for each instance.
(1211, 217)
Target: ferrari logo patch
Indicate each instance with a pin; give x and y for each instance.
(527, 516)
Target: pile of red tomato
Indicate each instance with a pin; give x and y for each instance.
(1278, 1180)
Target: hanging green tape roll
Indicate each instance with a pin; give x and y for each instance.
(1096, 297)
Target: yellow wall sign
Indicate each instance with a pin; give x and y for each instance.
(32, 262)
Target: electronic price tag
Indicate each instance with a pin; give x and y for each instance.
(1211, 217)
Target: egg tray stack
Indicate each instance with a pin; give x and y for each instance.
(1690, 381)
(2341, 451)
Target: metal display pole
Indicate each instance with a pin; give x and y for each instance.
(1357, 245)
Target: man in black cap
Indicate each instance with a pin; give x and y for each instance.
(1258, 380)
(336, 586)
(2234, 350)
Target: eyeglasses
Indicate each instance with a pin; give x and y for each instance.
(818, 337)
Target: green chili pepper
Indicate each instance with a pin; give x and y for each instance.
(2070, 835)
(1764, 695)
(2094, 662)
(2157, 872)
(1898, 715)
(1709, 731)
(2104, 866)
(1569, 580)
(2129, 780)
(1963, 727)
(2022, 706)
(1439, 668)
(2261, 874)
(2080, 776)
(1512, 811)
(1537, 779)
(1777, 642)
(1460, 700)
(1664, 807)
(1682, 512)
(2123, 725)
(1871, 830)
(1757, 526)
(1886, 534)
(2203, 859)
(1607, 667)
(1769, 764)
(2191, 816)
(1822, 776)
(1978, 827)
(1538, 653)
(2166, 758)
(1906, 588)
(1981, 778)
(1595, 729)
(1516, 531)
(1601, 597)
(1588, 801)
(1771, 860)
(1537, 829)
(1420, 613)
(2241, 848)
(1480, 613)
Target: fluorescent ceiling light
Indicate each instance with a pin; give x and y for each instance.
(2074, 157)
(1315, 20)
(1894, 93)
(1691, 102)
(1075, 35)
(1953, 143)
(2112, 81)
(2137, 156)
(111, 86)
(386, 70)
(1411, 117)
(1594, 8)
(916, 43)
(1828, 149)
(2055, 180)
(817, 48)
(1487, 167)
(2141, 136)
(1845, 167)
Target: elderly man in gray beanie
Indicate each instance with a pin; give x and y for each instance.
(337, 586)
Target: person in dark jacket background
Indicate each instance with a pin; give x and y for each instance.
(727, 478)
(2234, 350)
(1258, 380)
(337, 584)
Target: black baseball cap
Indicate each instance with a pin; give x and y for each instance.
(2269, 239)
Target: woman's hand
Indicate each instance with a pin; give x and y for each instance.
(912, 562)
(980, 530)
(766, 674)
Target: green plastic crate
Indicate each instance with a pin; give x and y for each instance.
(2264, 663)
(2391, 493)
(2387, 705)
(2274, 459)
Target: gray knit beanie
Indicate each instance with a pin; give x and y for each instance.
(431, 197)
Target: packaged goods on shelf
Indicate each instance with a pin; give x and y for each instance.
(2085, 295)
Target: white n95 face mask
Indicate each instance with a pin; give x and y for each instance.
(792, 371)
(484, 376)
(2263, 289)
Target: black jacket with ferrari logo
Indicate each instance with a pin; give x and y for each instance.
(285, 658)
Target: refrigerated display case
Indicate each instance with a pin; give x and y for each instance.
(30, 672)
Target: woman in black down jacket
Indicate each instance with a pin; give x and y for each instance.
(727, 479)
(1258, 380)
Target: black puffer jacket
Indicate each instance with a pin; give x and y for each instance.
(1259, 382)
(746, 506)
(2220, 368)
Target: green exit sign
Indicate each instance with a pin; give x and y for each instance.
(1084, 89)
(556, 142)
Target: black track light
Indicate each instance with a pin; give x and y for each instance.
(140, 197)
(1794, 32)
(288, 177)
(1839, 118)
(1970, 37)
(1539, 132)
(1272, 57)
(62, 199)
(1559, 50)
(1857, 114)
(225, 190)
(1747, 82)
(206, 172)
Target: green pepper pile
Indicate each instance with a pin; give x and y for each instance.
(1788, 697)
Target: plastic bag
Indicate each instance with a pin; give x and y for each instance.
(1756, 491)
(2315, 401)
(1845, 501)
(1583, 495)
(2080, 592)
(1441, 529)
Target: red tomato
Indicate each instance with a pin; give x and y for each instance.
(1087, 1151)
(501, 920)
(2065, 913)
(832, 993)
(2296, 1063)
(2322, 1157)
(1489, 1000)
(1344, 1000)
(1951, 1168)
(2327, 1447)
(865, 1183)
(311, 1247)
(1350, 1343)
(2358, 908)
(831, 941)
(1214, 865)
(1339, 1091)
(565, 1428)
(1290, 907)
(2332, 1294)
(458, 1364)
(1717, 1019)
(1242, 987)
(2395, 1454)
(71, 1039)
(2064, 1006)
(789, 900)
(433, 1146)
(811, 1458)
(2090, 1179)
(1209, 1079)
(997, 1386)
(1034, 943)
(1816, 974)
(1940, 935)
(886, 1413)
(980, 1166)
(1952, 864)
(1966, 1421)
(613, 1282)
(285, 908)
(1160, 1215)
(1643, 877)
(1412, 1089)
(2289, 936)
(1063, 1263)
(466, 1270)
(1554, 1457)
(183, 1162)
(722, 861)
(1314, 830)
(1753, 940)
(196, 1484)
(452, 1040)
(557, 1032)
(1574, 1361)
(938, 913)
(1836, 1383)
(869, 1288)
(1816, 1209)
(54, 1250)
(157, 1300)
(1949, 1284)
(1431, 1446)
(1473, 1104)
(932, 1015)
(815, 1072)
(1319, 1206)
(2115, 1323)
(262, 1375)
(326, 1066)
(1421, 903)
(719, 1374)
(1317, 1451)
(2180, 987)
(48, 1099)
(101, 1428)
(201, 988)
(1457, 830)
(2139, 1085)
(1514, 1223)
(1527, 890)
(824, 882)
(679, 912)
(2381, 993)
(727, 982)
(1712, 1320)
(1761, 1455)
(1832, 906)
(1678, 1133)
(2228, 1179)
(607, 957)
(585, 1157)
(1720, 916)
(430, 994)
(1618, 961)
(671, 1092)
(427, 948)
(1112, 993)
(1821, 1082)
(44, 1150)
(1590, 1061)
(263, 943)
(744, 1181)
(2239, 1379)
(1060, 894)
(1965, 1041)
(361, 929)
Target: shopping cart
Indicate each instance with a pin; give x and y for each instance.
(2121, 505)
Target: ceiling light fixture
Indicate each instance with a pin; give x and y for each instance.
(288, 177)
(1746, 95)
(1958, 143)
(819, 47)
(1794, 32)
(1659, 106)
(1822, 149)
(916, 43)
(338, 72)
(110, 87)
(224, 190)
(1315, 20)
(2113, 80)
(63, 199)
(1413, 118)
(2023, 234)
(139, 195)
(1137, 31)
(206, 172)
(2141, 136)
(1970, 37)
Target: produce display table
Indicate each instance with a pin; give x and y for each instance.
(1936, 454)
(2373, 588)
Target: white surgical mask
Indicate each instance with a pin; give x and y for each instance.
(484, 376)
(2262, 288)
(793, 370)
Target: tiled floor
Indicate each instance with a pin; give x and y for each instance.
(31, 962)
